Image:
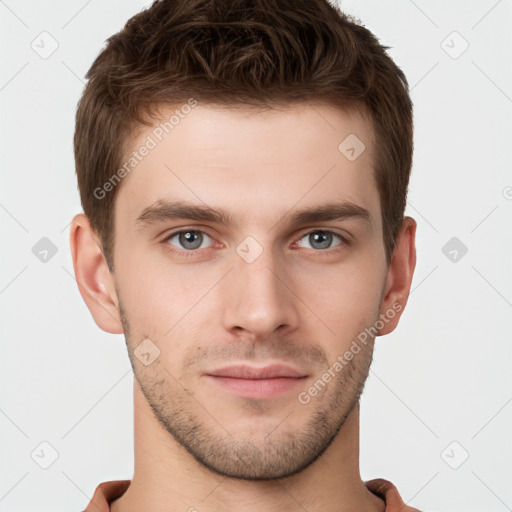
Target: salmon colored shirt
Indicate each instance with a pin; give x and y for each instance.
(106, 492)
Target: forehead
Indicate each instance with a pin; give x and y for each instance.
(256, 164)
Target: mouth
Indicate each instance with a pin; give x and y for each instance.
(256, 382)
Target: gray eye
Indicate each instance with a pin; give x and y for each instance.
(189, 239)
(321, 240)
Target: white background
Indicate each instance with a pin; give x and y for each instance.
(442, 376)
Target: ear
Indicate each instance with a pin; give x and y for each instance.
(94, 279)
(399, 276)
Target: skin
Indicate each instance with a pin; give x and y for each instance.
(301, 302)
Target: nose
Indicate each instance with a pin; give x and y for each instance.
(257, 297)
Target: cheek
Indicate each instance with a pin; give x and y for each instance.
(161, 299)
(143, 291)
(342, 300)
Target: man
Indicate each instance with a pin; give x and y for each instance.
(274, 137)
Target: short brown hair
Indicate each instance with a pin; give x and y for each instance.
(260, 53)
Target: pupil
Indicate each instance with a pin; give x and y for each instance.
(189, 238)
(318, 238)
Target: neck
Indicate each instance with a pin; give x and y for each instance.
(167, 477)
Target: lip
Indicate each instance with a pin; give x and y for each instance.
(244, 371)
(257, 383)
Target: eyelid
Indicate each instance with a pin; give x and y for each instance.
(345, 236)
(345, 239)
(179, 231)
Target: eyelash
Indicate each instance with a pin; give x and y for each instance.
(193, 252)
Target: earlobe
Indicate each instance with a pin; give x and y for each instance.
(95, 282)
(399, 276)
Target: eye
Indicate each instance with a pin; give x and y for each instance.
(189, 239)
(322, 239)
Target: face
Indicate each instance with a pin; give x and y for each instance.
(234, 319)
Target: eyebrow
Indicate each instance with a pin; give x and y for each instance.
(164, 210)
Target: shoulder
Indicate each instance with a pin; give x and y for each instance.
(389, 493)
(105, 493)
